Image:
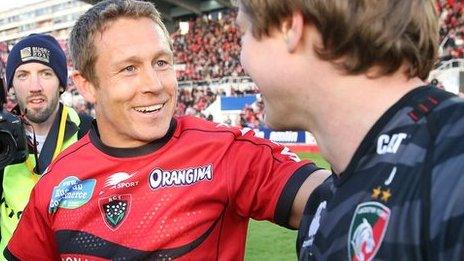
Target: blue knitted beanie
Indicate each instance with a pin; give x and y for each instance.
(38, 48)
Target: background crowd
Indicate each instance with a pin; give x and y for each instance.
(451, 29)
(210, 50)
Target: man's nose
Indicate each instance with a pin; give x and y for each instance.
(151, 81)
(35, 85)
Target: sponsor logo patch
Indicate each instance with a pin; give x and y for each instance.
(35, 53)
(367, 229)
(168, 178)
(114, 209)
(390, 144)
(119, 180)
(116, 178)
(71, 193)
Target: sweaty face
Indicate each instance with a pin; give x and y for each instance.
(37, 91)
(263, 60)
(135, 97)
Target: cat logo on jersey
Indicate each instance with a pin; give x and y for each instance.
(367, 229)
(114, 209)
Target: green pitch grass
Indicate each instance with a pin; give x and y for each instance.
(267, 241)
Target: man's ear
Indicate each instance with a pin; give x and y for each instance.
(84, 86)
(292, 28)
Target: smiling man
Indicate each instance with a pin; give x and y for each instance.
(144, 185)
(37, 71)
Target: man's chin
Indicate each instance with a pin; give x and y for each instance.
(36, 117)
(152, 134)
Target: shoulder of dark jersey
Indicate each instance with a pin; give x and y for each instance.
(449, 116)
(321, 193)
(326, 189)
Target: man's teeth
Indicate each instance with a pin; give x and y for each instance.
(151, 108)
(36, 100)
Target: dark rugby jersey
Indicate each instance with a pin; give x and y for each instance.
(187, 196)
(402, 195)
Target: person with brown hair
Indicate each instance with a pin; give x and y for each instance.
(143, 184)
(354, 74)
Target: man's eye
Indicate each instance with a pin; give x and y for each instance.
(47, 74)
(162, 64)
(21, 76)
(129, 69)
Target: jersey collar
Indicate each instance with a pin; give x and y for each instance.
(365, 147)
(130, 152)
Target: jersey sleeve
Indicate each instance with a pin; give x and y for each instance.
(447, 190)
(264, 178)
(33, 238)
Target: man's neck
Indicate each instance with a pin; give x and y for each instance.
(44, 127)
(350, 108)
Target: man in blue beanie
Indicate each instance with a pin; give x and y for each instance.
(37, 71)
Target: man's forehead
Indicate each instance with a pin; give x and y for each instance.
(118, 40)
(33, 66)
(120, 47)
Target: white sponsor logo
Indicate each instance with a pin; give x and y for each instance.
(71, 258)
(245, 130)
(286, 152)
(391, 177)
(284, 136)
(184, 177)
(115, 181)
(387, 144)
(315, 223)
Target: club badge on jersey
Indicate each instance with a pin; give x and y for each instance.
(115, 209)
(367, 229)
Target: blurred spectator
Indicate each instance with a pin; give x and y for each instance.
(10, 101)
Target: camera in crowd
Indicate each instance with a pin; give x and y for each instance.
(13, 141)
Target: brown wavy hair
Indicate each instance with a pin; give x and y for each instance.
(360, 34)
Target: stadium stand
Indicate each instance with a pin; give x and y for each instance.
(208, 66)
(451, 29)
(210, 49)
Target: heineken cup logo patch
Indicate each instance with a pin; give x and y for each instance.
(114, 210)
(367, 229)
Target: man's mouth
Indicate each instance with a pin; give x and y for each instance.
(36, 100)
(149, 109)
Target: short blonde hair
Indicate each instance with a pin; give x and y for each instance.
(95, 20)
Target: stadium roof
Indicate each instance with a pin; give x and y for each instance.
(172, 9)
